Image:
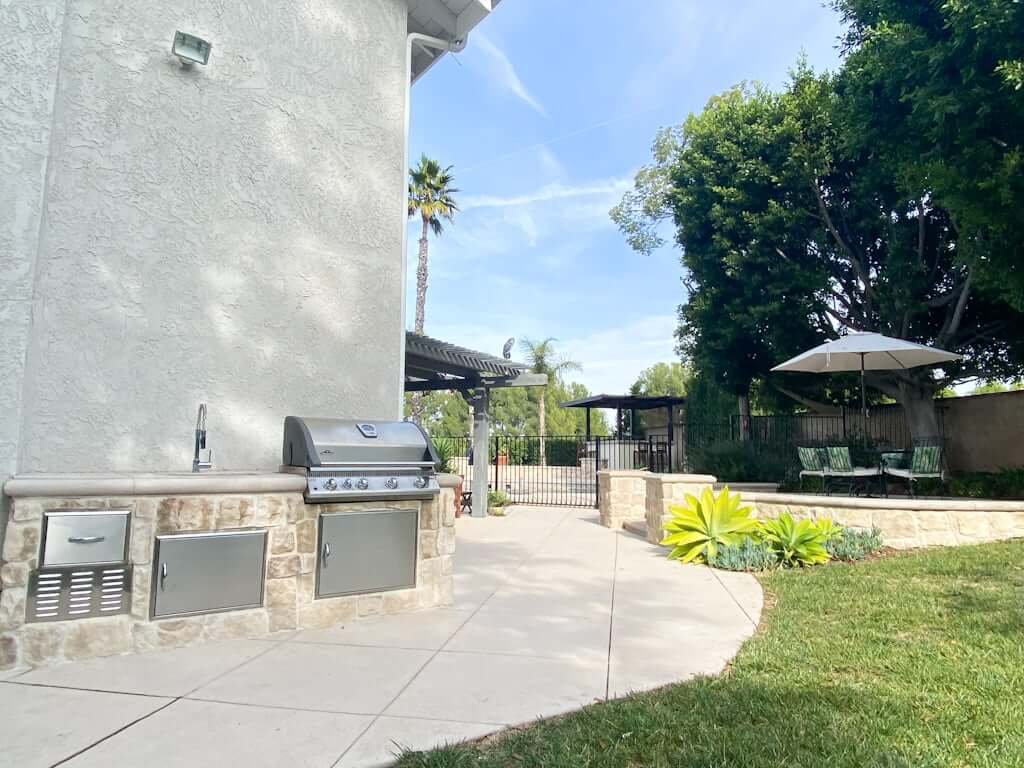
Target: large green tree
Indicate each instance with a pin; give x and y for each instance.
(662, 379)
(791, 232)
(935, 88)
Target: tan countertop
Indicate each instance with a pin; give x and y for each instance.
(152, 483)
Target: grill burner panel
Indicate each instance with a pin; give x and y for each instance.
(345, 460)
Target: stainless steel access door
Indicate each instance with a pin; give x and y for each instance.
(372, 551)
(207, 572)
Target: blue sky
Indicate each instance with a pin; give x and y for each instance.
(545, 117)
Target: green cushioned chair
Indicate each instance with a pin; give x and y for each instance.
(812, 463)
(925, 462)
(840, 468)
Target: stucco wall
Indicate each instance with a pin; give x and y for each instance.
(984, 431)
(30, 34)
(226, 234)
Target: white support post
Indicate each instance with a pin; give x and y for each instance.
(481, 450)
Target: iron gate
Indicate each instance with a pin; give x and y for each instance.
(556, 470)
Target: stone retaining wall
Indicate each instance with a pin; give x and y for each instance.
(290, 569)
(904, 523)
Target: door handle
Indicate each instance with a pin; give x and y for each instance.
(86, 539)
(163, 574)
(326, 552)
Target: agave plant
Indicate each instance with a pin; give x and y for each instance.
(830, 530)
(795, 542)
(697, 530)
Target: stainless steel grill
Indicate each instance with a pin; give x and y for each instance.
(355, 460)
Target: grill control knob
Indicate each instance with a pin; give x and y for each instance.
(362, 484)
(391, 482)
(330, 484)
(420, 482)
(347, 484)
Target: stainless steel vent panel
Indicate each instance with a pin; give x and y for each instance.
(373, 551)
(208, 572)
(80, 537)
(77, 592)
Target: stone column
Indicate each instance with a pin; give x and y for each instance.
(664, 491)
(621, 496)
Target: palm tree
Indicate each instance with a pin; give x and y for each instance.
(541, 357)
(431, 196)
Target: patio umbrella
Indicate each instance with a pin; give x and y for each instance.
(865, 352)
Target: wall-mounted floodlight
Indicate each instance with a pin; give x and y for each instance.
(191, 49)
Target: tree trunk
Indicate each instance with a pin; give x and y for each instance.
(421, 281)
(743, 402)
(918, 400)
(421, 310)
(541, 414)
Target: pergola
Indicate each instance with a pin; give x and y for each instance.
(433, 365)
(632, 404)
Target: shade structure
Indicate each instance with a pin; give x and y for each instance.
(865, 352)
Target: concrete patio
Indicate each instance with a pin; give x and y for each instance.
(552, 612)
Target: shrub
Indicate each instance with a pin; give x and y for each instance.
(445, 449)
(795, 542)
(741, 461)
(497, 499)
(697, 530)
(749, 555)
(855, 544)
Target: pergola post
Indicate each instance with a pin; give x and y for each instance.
(480, 399)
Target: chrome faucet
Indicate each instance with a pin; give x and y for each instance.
(203, 457)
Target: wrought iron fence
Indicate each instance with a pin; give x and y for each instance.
(558, 470)
(769, 442)
(562, 470)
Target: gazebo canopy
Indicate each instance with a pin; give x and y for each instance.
(626, 402)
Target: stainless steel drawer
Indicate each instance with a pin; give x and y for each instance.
(208, 572)
(85, 537)
(372, 551)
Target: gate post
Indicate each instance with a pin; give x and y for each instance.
(597, 468)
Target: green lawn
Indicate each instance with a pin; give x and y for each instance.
(911, 660)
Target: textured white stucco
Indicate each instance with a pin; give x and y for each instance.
(30, 34)
(226, 234)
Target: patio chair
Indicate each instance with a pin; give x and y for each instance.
(812, 464)
(925, 462)
(840, 467)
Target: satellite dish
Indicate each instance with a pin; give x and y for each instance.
(506, 351)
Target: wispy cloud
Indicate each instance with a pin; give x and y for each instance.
(505, 73)
(550, 192)
(613, 357)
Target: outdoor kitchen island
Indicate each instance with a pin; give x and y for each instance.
(98, 565)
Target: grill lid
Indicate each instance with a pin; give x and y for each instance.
(317, 442)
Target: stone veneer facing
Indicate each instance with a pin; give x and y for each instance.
(290, 571)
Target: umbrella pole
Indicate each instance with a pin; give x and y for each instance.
(863, 396)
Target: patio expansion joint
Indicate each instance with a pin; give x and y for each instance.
(173, 700)
(611, 620)
(733, 598)
(435, 654)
